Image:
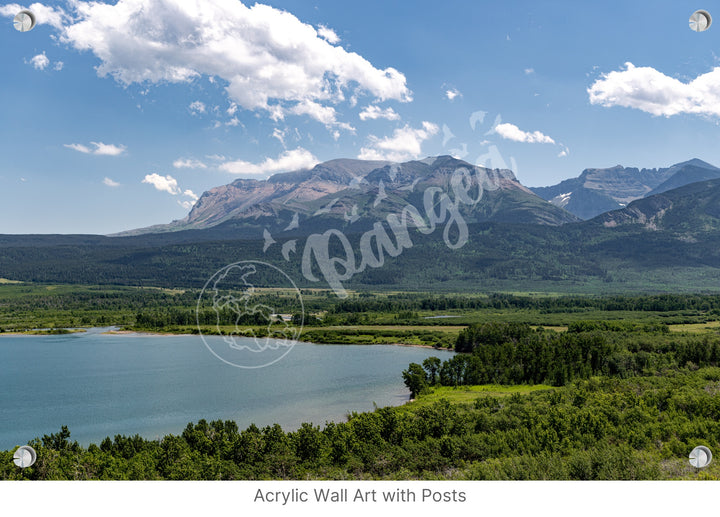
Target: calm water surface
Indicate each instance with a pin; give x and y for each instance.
(101, 385)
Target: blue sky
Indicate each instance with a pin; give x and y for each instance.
(118, 115)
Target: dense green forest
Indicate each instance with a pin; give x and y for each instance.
(511, 353)
(584, 258)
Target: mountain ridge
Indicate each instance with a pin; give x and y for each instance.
(685, 212)
(350, 190)
(597, 191)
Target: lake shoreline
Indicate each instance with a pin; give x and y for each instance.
(140, 333)
(102, 385)
(171, 334)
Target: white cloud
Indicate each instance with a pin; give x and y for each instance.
(163, 183)
(188, 163)
(99, 149)
(374, 112)
(404, 144)
(512, 132)
(328, 34)
(108, 149)
(79, 147)
(529, 71)
(287, 161)
(452, 93)
(197, 107)
(280, 135)
(170, 185)
(40, 62)
(649, 90)
(270, 60)
(232, 109)
(110, 183)
(325, 114)
(563, 152)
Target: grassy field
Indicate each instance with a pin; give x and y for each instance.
(710, 326)
(463, 394)
(439, 328)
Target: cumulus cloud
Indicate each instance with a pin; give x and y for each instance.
(512, 132)
(188, 163)
(270, 60)
(649, 90)
(99, 148)
(40, 61)
(170, 185)
(108, 149)
(110, 183)
(328, 34)
(325, 114)
(452, 93)
(373, 112)
(197, 107)
(163, 183)
(563, 152)
(287, 161)
(404, 144)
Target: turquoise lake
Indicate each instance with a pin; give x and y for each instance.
(101, 385)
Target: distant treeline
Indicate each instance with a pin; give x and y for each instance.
(652, 303)
(55, 306)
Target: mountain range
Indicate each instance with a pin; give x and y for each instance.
(356, 193)
(597, 191)
(664, 238)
